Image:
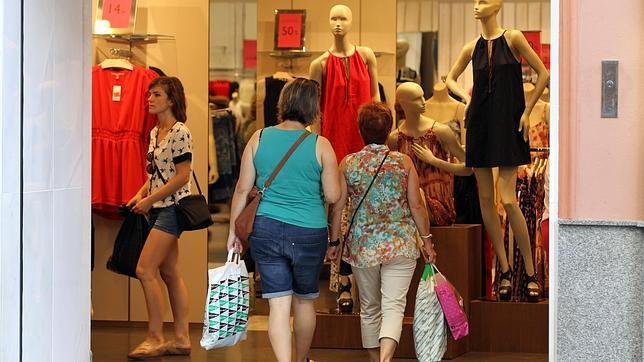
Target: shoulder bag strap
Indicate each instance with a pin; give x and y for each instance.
(284, 159)
(355, 212)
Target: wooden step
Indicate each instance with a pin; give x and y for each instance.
(508, 326)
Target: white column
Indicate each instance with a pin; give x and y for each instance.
(10, 181)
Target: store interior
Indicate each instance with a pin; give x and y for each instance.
(225, 53)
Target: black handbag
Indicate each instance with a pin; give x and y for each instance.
(192, 211)
(129, 243)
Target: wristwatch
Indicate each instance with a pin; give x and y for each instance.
(335, 242)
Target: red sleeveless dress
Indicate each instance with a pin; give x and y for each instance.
(346, 86)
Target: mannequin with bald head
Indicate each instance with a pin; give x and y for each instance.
(430, 144)
(340, 22)
(497, 136)
(404, 73)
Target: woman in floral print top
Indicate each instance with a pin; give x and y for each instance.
(381, 243)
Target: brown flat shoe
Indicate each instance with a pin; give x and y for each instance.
(171, 349)
(147, 350)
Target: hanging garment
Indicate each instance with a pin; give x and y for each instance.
(437, 184)
(121, 127)
(273, 89)
(228, 157)
(539, 133)
(347, 86)
(497, 104)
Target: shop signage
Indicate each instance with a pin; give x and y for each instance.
(115, 17)
(289, 29)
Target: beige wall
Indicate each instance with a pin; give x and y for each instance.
(374, 26)
(186, 56)
(601, 160)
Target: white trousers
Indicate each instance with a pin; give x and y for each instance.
(383, 292)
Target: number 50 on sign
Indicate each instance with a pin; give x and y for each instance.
(289, 29)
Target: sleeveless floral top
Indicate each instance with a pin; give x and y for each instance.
(383, 228)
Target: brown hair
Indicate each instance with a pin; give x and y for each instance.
(374, 122)
(299, 101)
(174, 89)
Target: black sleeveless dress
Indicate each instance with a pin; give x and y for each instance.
(495, 111)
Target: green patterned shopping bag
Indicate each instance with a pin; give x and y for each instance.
(227, 304)
(430, 331)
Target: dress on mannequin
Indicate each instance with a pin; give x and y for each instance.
(347, 86)
(436, 183)
(496, 108)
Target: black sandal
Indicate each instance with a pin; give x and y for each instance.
(533, 294)
(505, 291)
(345, 305)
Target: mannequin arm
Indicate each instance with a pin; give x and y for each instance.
(525, 50)
(392, 140)
(427, 156)
(372, 65)
(315, 73)
(457, 69)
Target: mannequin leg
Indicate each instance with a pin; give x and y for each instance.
(507, 189)
(489, 213)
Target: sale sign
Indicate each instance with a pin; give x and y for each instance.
(117, 12)
(289, 29)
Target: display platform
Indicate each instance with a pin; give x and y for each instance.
(509, 326)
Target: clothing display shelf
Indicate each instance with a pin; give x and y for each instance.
(134, 39)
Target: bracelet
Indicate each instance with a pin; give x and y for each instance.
(335, 242)
(428, 236)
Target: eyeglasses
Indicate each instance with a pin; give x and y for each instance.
(151, 167)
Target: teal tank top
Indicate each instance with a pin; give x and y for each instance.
(295, 196)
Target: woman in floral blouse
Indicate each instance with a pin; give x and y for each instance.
(381, 243)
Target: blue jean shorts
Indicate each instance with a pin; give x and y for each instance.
(164, 219)
(289, 257)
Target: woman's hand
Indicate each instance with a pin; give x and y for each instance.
(429, 251)
(234, 243)
(332, 252)
(143, 206)
(524, 125)
(423, 153)
(133, 201)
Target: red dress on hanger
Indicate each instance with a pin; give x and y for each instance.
(346, 86)
(121, 128)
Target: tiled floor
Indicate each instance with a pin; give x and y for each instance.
(111, 344)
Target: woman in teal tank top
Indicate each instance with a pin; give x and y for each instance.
(290, 236)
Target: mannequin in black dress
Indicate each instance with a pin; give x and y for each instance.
(498, 121)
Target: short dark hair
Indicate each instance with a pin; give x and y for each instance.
(174, 89)
(374, 122)
(299, 101)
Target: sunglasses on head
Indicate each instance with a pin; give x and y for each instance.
(151, 167)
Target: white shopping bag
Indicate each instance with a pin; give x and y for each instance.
(226, 315)
(430, 331)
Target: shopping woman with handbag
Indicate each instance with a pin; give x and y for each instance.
(386, 213)
(289, 237)
(169, 167)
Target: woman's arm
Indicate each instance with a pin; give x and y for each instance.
(335, 217)
(244, 185)
(180, 178)
(330, 185)
(418, 209)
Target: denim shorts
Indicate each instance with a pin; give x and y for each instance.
(164, 219)
(289, 257)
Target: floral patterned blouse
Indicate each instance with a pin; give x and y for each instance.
(383, 228)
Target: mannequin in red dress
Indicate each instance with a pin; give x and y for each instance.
(348, 77)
